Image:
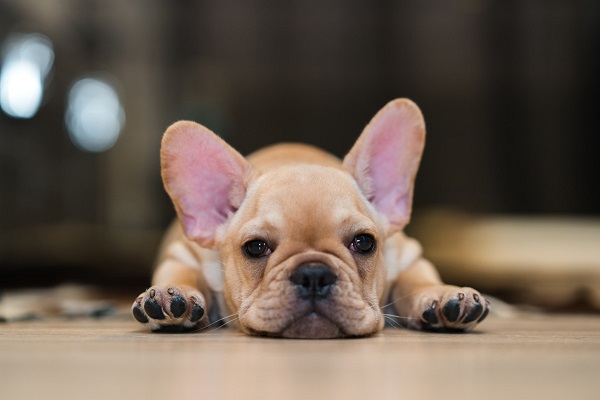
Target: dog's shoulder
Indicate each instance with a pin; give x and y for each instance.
(177, 246)
(400, 253)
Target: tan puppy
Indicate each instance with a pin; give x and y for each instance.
(292, 242)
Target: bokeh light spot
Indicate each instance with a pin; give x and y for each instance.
(27, 60)
(94, 116)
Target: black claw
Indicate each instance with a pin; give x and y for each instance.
(452, 310)
(429, 315)
(153, 309)
(197, 313)
(485, 314)
(139, 315)
(177, 306)
(474, 313)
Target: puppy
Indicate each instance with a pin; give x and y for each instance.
(291, 242)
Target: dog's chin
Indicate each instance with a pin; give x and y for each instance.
(312, 326)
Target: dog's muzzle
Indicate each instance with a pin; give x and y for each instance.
(314, 281)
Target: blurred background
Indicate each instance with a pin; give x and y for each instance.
(508, 195)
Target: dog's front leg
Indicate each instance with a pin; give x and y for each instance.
(179, 295)
(423, 301)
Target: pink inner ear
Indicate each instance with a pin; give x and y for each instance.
(200, 172)
(395, 153)
(386, 158)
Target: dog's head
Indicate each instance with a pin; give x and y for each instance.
(301, 244)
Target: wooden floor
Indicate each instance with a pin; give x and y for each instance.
(527, 357)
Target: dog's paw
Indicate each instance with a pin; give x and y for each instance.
(449, 308)
(170, 309)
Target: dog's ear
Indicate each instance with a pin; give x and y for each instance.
(205, 177)
(385, 159)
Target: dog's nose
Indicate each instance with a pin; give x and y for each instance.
(314, 281)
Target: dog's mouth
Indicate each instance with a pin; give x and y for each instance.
(312, 326)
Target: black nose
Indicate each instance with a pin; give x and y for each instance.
(314, 281)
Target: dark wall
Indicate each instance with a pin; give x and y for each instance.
(509, 90)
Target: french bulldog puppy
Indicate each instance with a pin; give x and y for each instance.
(292, 242)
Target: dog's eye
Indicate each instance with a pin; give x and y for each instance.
(363, 244)
(257, 249)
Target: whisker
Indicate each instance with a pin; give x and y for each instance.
(399, 316)
(396, 320)
(392, 322)
(223, 319)
(391, 319)
(220, 326)
(397, 300)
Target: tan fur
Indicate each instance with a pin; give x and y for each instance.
(308, 207)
